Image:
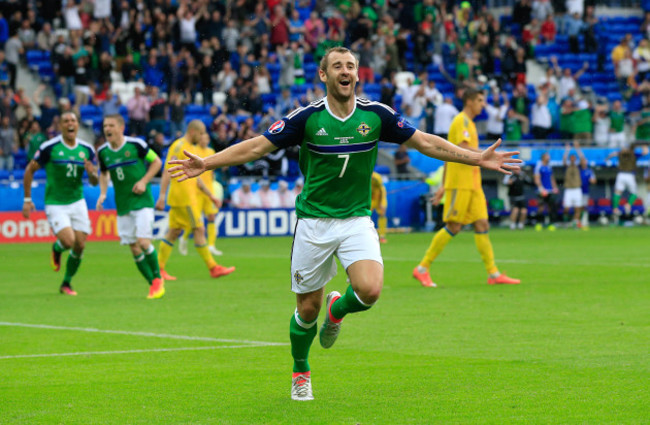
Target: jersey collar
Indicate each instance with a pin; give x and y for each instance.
(119, 147)
(76, 143)
(327, 106)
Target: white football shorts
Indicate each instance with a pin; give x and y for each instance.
(73, 215)
(572, 198)
(318, 240)
(624, 181)
(136, 224)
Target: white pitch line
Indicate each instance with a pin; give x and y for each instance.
(146, 334)
(150, 350)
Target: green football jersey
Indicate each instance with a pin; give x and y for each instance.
(643, 130)
(617, 121)
(338, 155)
(64, 166)
(126, 166)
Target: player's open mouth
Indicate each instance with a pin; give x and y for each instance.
(344, 83)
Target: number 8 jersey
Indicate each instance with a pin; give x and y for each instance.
(338, 155)
(126, 166)
(64, 166)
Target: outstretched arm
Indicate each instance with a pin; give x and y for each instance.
(28, 204)
(241, 153)
(437, 147)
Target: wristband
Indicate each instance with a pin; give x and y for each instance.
(27, 200)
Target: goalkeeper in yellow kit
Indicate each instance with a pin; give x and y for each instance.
(208, 205)
(379, 203)
(183, 199)
(464, 198)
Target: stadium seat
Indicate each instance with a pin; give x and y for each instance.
(382, 169)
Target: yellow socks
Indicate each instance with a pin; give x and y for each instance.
(164, 251)
(484, 247)
(382, 223)
(206, 256)
(440, 240)
(212, 233)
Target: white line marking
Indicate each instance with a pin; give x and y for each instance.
(150, 350)
(147, 334)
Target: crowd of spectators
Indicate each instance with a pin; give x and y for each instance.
(249, 62)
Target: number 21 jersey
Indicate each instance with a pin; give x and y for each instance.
(64, 166)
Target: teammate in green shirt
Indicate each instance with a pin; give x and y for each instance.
(338, 137)
(122, 159)
(64, 158)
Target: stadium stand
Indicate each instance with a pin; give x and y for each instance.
(228, 66)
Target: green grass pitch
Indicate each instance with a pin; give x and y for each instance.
(571, 345)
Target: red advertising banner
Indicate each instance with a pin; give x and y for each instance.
(16, 228)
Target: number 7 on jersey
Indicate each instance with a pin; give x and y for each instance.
(345, 164)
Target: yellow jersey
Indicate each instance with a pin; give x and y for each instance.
(183, 193)
(378, 191)
(461, 176)
(208, 176)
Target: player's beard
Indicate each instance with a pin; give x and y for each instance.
(341, 97)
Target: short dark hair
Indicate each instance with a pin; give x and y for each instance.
(117, 117)
(337, 49)
(471, 94)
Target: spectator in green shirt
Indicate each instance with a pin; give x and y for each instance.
(34, 138)
(516, 125)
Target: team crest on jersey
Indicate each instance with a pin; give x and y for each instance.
(277, 127)
(298, 277)
(466, 134)
(400, 123)
(363, 129)
(82, 155)
(127, 154)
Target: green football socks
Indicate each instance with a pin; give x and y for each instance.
(74, 260)
(151, 258)
(348, 303)
(302, 335)
(58, 246)
(143, 266)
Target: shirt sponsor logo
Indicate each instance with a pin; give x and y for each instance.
(363, 129)
(322, 132)
(277, 127)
